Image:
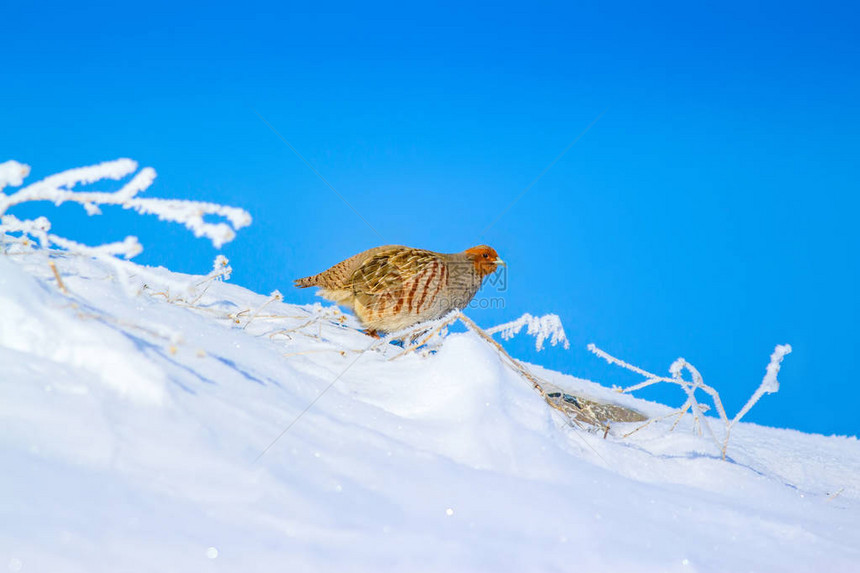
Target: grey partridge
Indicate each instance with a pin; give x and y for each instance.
(393, 287)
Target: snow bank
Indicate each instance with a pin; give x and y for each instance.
(30, 325)
(133, 429)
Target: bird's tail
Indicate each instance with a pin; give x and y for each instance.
(308, 281)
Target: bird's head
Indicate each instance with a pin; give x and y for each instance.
(485, 259)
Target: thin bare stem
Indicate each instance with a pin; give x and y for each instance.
(275, 296)
(58, 277)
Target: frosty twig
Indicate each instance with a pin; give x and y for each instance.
(769, 384)
(541, 327)
(60, 188)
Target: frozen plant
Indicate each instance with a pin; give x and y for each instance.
(60, 188)
(542, 328)
(769, 385)
(183, 291)
(276, 296)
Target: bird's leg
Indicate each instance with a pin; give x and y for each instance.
(371, 332)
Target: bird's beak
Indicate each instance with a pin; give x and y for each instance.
(501, 262)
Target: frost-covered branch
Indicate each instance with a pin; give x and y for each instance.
(190, 214)
(59, 189)
(37, 228)
(542, 328)
(769, 385)
(128, 248)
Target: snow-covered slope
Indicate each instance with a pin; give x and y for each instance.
(139, 433)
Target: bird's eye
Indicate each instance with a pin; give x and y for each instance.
(485, 255)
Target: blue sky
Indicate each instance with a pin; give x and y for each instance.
(709, 212)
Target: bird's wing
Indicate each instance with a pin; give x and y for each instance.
(384, 284)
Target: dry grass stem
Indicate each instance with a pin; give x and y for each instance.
(58, 277)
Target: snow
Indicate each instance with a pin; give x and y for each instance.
(193, 425)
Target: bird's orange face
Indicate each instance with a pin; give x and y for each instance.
(485, 259)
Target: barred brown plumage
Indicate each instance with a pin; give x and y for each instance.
(394, 287)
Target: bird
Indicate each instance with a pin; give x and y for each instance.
(392, 287)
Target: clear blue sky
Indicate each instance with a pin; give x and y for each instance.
(709, 213)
